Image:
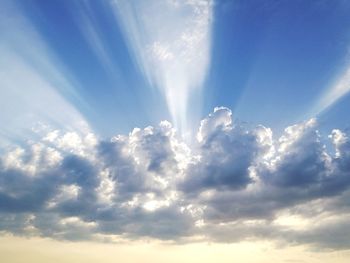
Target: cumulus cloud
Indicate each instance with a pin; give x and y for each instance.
(233, 183)
(226, 152)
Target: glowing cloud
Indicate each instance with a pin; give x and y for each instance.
(170, 41)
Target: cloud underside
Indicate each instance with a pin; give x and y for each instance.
(233, 183)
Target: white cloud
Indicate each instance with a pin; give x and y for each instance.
(234, 183)
(221, 119)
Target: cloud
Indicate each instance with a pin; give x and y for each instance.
(226, 153)
(233, 183)
(301, 160)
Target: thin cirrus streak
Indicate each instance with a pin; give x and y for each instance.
(170, 41)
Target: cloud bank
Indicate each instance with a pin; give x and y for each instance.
(234, 183)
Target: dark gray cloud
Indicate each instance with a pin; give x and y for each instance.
(225, 154)
(301, 160)
(234, 183)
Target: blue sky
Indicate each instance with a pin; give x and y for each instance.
(269, 61)
(272, 60)
(177, 121)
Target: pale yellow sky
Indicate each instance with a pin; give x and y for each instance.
(39, 250)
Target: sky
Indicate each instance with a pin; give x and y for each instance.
(133, 127)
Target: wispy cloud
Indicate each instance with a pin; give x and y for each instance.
(170, 41)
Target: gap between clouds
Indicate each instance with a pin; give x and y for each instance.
(234, 183)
